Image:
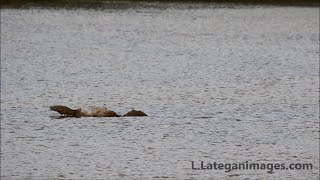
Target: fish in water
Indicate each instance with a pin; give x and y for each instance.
(92, 112)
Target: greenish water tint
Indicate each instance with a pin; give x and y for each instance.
(113, 4)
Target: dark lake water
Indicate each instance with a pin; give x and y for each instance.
(219, 84)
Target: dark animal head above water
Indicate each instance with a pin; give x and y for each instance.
(135, 113)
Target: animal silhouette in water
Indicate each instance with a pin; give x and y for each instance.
(92, 112)
(135, 113)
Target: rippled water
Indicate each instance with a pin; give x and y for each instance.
(219, 84)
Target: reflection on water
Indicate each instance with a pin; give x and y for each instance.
(220, 85)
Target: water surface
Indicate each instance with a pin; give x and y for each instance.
(219, 84)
